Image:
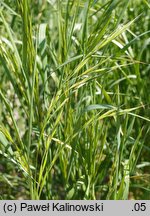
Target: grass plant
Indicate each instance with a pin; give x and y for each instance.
(74, 99)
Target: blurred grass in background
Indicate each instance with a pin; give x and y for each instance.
(74, 93)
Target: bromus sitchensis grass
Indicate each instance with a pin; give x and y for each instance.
(79, 72)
